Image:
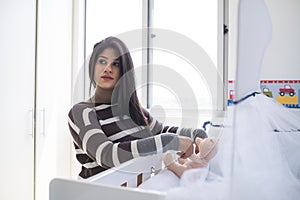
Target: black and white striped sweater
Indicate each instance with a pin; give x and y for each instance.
(103, 140)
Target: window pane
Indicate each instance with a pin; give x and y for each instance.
(111, 18)
(196, 20)
(114, 18)
(179, 72)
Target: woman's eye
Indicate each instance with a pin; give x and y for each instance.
(103, 62)
(117, 64)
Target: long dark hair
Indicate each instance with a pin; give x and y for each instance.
(124, 92)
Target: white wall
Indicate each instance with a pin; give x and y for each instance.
(282, 60)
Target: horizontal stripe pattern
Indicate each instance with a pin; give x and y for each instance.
(90, 165)
(73, 126)
(102, 140)
(85, 116)
(112, 120)
(87, 136)
(124, 133)
(115, 155)
(99, 151)
(158, 144)
(134, 150)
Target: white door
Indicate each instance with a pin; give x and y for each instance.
(17, 64)
(53, 92)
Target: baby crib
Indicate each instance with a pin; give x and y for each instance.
(116, 183)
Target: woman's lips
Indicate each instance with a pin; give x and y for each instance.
(107, 77)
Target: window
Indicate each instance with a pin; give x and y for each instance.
(194, 21)
(197, 22)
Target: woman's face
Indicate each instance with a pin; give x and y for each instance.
(107, 69)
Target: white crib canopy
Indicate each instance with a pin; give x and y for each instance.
(254, 35)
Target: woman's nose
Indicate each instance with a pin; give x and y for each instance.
(108, 67)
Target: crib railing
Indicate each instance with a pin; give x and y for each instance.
(118, 182)
(131, 173)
